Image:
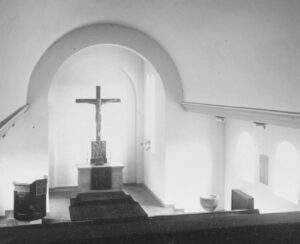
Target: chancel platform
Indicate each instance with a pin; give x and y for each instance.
(100, 177)
(105, 206)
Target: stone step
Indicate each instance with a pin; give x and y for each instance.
(178, 211)
(14, 222)
(9, 214)
(9, 220)
(50, 220)
(174, 210)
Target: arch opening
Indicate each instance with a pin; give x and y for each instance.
(120, 74)
(114, 35)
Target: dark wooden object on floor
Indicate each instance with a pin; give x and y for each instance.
(30, 200)
(241, 200)
(105, 206)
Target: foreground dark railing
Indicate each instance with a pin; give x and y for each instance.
(10, 120)
(196, 228)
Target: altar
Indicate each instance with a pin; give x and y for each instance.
(100, 177)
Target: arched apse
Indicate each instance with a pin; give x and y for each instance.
(95, 34)
(71, 126)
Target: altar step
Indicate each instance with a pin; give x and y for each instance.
(9, 214)
(9, 220)
(152, 204)
(174, 210)
(178, 210)
(59, 199)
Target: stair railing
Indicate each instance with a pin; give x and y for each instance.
(9, 121)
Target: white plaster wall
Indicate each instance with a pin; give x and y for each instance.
(224, 50)
(195, 162)
(19, 161)
(154, 158)
(264, 142)
(191, 163)
(119, 72)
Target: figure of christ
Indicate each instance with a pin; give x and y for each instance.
(98, 155)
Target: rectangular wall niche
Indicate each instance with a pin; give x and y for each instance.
(264, 169)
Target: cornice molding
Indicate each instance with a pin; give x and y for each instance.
(269, 116)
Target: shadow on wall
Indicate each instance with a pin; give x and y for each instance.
(286, 172)
(199, 157)
(246, 157)
(192, 177)
(264, 164)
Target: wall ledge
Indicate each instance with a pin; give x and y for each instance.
(268, 116)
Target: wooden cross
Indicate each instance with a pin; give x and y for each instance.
(98, 102)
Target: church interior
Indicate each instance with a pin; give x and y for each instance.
(196, 112)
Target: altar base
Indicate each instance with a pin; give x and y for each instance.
(100, 177)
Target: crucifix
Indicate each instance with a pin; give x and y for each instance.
(98, 146)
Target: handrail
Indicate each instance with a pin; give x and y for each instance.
(9, 121)
(276, 117)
